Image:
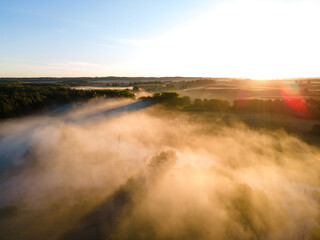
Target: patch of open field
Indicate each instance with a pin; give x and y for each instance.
(253, 89)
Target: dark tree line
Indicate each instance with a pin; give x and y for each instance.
(172, 99)
(308, 108)
(18, 99)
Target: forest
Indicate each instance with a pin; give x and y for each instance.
(308, 108)
(18, 99)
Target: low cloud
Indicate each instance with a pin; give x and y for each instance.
(156, 174)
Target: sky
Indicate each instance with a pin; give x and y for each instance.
(260, 39)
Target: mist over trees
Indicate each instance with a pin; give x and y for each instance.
(140, 175)
(17, 99)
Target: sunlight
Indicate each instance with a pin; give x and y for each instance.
(195, 119)
(248, 39)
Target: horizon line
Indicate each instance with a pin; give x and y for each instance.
(111, 76)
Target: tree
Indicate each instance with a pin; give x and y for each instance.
(135, 89)
(198, 103)
(316, 129)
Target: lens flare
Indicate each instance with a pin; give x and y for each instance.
(291, 94)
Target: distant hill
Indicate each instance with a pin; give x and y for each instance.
(99, 79)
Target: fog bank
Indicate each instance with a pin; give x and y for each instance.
(170, 175)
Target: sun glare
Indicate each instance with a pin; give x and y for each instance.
(248, 39)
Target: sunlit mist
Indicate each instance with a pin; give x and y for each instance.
(140, 172)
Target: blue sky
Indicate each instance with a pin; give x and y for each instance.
(94, 32)
(149, 37)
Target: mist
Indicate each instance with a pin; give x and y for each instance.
(149, 173)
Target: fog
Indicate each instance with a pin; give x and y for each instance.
(158, 174)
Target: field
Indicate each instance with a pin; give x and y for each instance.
(232, 90)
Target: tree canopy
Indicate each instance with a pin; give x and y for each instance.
(17, 99)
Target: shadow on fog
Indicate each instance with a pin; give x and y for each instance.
(104, 220)
(101, 222)
(131, 107)
(15, 145)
